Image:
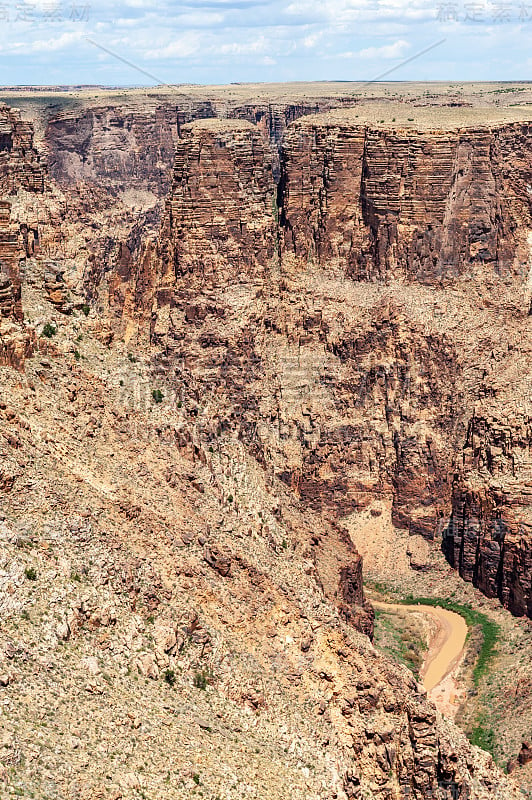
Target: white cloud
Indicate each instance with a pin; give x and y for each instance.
(63, 42)
(202, 41)
(312, 40)
(396, 50)
(260, 45)
(183, 46)
(200, 19)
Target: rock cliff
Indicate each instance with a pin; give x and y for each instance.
(131, 145)
(20, 170)
(490, 530)
(227, 382)
(351, 384)
(424, 205)
(444, 208)
(368, 385)
(440, 383)
(19, 162)
(15, 339)
(221, 236)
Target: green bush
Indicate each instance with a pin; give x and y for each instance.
(49, 330)
(30, 573)
(201, 679)
(157, 395)
(483, 736)
(85, 308)
(169, 676)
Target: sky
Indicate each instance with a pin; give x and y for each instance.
(44, 42)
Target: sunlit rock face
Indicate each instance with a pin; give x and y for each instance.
(231, 376)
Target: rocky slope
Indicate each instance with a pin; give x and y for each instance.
(165, 626)
(368, 388)
(208, 401)
(401, 208)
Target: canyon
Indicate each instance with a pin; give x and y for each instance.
(232, 322)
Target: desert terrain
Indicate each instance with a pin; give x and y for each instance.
(265, 437)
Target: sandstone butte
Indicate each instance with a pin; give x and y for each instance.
(226, 327)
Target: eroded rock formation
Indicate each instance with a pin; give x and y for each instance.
(20, 164)
(130, 143)
(367, 391)
(221, 237)
(254, 365)
(490, 531)
(20, 169)
(362, 390)
(421, 205)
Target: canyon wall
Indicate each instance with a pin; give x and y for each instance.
(490, 531)
(200, 430)
(20, 169)
(20, 164)
(450, 209)
(341, 298)
(128, 146)
(344, 403)
(422, 205)
(116, 147)
(222, 237)
(15, 339)
(194, 439)
(375, 358)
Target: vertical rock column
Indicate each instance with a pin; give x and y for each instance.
(321, 187)
(15, 341)
(490, 531)
(20, 169)
(20, 165)
(221, 219)
(220, 227)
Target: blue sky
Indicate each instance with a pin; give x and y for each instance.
(219, 41)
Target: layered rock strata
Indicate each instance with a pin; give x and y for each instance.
(130, 147)
(268, 392)
(20, 165)
(366, 393)
(489, 536)
(422, 205)
(222, 237)
(20, 170)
